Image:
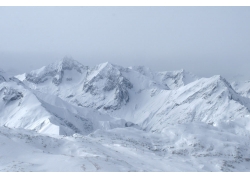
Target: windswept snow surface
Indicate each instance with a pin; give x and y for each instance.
(71, 117)
(3, 76)
(185, 147)
(242, 87)
(21, 107)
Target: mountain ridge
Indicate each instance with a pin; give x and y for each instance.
(109, 117)
(114, 90)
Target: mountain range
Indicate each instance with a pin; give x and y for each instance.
(114, 118)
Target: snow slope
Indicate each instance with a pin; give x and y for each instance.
(20, 107)
(105, 86)
(111, 118)
(153, 100)
(242, 87)
(3, 76)
(184, 147)
(209, 100)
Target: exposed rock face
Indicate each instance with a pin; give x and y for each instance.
(150, 99)
(108, 79)
(176, 79)
(2, 79)
(22, 107)
(208, 100)
(242, 87)
(123, 117)
(54, 71)
(10, 94)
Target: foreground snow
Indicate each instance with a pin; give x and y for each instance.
(185, 147)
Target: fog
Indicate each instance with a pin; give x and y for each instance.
(204, 40)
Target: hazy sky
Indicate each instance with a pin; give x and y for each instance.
(203, 40)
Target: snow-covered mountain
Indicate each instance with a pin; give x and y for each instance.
(242, 87)
(105, 86)
(208, 100)
(21, 107)
(151, 99)
(141, 114)
(3, 76)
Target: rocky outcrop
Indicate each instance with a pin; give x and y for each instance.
(10, 94)
(54, 71)
(108, 79)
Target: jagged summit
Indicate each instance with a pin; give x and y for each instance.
(242, 87)
(55, 71)
(3, 76)
(105, 65)
(103, 69)
(108, 87)
(220, 81)
(146, 71)
(176, 79)
(106, 80)
(68, 63)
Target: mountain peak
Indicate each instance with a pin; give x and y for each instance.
(107, 65)
(3, 76)
(68, 60)
(104, 69)
(179, 78)
(181, 70)
(67, 63)
(142, 69)
(55, 70)
(222, 79)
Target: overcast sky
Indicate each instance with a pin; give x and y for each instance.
(203, 40)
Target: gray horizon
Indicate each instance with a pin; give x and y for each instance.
(203, 40)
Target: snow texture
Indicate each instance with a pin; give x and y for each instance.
(71, 117)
